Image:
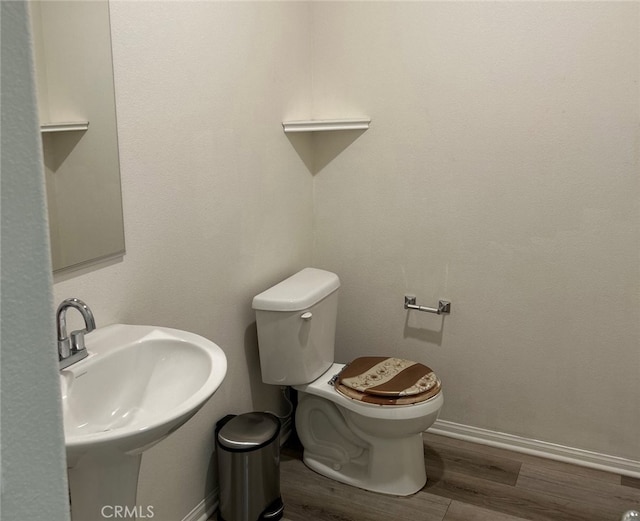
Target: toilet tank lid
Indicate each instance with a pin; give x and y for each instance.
(298, 292)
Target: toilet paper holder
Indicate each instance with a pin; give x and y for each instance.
(444, 306)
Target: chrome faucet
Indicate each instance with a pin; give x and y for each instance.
(71, 349)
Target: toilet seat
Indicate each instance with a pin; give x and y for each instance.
(387, 381)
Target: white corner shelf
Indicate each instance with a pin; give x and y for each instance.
(324, 125)
(70, 126)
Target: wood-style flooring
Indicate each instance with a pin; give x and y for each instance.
(465, 482)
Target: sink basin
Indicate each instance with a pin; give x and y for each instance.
(137, 386)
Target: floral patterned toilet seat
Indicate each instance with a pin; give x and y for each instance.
(387, 381)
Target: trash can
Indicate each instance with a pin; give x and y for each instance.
(248, 450)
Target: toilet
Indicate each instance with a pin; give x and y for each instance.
(359, 423)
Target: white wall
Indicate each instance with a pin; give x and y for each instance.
(501, 172)
(217, 203)
(34, 484)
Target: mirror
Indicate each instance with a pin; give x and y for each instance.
(76, 102)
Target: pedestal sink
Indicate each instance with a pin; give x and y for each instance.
(137, 386)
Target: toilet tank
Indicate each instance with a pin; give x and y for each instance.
(296, 321)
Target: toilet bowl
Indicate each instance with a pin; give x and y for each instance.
(374, 447)
(351, 429)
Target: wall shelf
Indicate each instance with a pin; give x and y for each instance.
(324, 125)
(69, 126)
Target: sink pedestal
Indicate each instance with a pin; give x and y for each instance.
(104, 485)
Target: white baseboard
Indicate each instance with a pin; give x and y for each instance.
(204, 510)
(543, 449)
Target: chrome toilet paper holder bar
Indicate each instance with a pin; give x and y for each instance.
(444, 306)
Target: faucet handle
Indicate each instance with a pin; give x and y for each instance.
(64, 348)
(77, 340)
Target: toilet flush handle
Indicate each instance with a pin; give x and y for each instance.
(306, 315)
